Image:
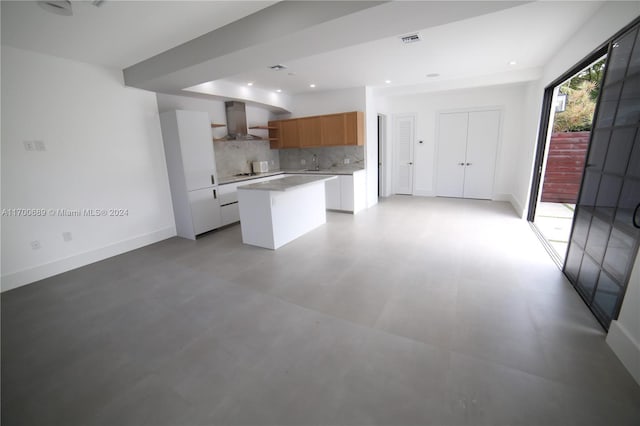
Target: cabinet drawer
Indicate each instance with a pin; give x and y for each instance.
(228, 194)
(230, 213)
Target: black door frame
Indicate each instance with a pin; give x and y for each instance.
(545, 114)
(545, 117)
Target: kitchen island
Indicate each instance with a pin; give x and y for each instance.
(278, 211)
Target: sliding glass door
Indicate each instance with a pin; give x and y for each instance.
(605, 236)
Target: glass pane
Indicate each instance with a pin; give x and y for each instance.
(608, 193)
(612, 93)
(588, 277)
(597, 239)
(607, 293)
(589, 188)
(606, 111)
(619, 58)
(634, 162)
(572, 264)
(581, 227)
(619, 151)
(634, 64)
(628, 112)
(629, 199)
(619, 251)
(598, 149)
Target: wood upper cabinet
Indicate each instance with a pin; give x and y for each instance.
(323, 130)
(355, 128)
(333, 129)
(289, 134)
(309, 132)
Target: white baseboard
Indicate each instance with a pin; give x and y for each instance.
(27, 276)
(509, 198)
(625, 347)
(422, 193)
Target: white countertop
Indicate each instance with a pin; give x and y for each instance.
(331, 171)
(286, 183)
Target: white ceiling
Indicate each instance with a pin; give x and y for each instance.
(118, 33)
(475, 43)
(477, 47)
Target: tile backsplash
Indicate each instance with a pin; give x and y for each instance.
(233, 157)
(331, 156)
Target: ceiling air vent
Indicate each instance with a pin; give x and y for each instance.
(411, 38)
(278, 67)
(59, 7)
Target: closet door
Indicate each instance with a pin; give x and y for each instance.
(452, 146)
(605, 236)
(480, 163)
(404, 136)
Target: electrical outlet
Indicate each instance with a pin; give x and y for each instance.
(29, 145)
(66, 236)
(347, 161)
(35, 245)
(303, 161)
(39, 145)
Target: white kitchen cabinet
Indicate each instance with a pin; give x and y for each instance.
(467, 146)
(347, 193)
(333, 194)
(191, 167)
(229, 198)
(205, 210)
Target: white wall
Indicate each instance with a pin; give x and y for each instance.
(103, 151)
(426, 106)
(624, 333)
(371, 147)
(608, 20)
(328, 102)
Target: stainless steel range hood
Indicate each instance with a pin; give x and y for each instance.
(237, 122)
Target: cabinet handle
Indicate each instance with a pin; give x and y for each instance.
(215, 195)
(468, 164)
(635, 213)
(411, 164)
(460, 164)
(213, 180)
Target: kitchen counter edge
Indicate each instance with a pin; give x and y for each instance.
(236, 179)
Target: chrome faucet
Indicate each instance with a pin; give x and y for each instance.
(315, 162)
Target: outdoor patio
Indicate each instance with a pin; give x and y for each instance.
(554, 222)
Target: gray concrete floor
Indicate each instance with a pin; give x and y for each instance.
(417, 311)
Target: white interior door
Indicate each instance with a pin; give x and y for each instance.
(452, 145)
(404, 135)
(482, 144)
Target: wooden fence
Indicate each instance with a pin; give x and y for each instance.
(565, 163)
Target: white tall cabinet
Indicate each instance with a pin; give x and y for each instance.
(467, 147)
(191, 166)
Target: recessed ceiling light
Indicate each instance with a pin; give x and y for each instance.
(513, 63)
(433, 74)
(250, 83)
(279, 90)
(278, 67)
(387, 81)
(312, 85)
